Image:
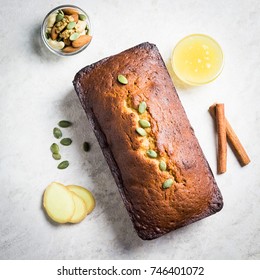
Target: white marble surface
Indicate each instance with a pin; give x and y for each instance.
(36, 92)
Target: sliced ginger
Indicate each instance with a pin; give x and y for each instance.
(80, 209)
(58, 203)
(69, 204)
(84, 194)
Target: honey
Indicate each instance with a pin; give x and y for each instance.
(197, 59)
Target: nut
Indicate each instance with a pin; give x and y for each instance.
(56, 45)
(70, 49)
(62, 24)
(67, 42)
(81, 41)
(48, 30)
(54, 34)
(69, 11)
(80, 26)
(66, 33)
(70, 18)
(51, 20)
(75, 17)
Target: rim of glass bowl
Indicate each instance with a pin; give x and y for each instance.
(191, 82)
(43, 31)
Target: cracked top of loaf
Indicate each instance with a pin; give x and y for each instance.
(155, 207)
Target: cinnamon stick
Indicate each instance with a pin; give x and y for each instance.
(233, 140)
(222, 139)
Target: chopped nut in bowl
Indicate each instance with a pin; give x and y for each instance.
(66, 30)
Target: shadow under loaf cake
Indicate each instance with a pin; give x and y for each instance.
(160, 170)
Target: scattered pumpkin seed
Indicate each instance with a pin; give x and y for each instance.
(162, 165)
(64, 124)
(74, 36)
(82, 17)
(56, 156)
(47, 35)
(168, 183)
(64, 164)
(55, 148)
(66, 141)
(142, 107)
(57, 132)
(151, 154)
(71, 25)
(144, 123)
(86, 146)
(59, 17)
(140, 131)
(122, 79)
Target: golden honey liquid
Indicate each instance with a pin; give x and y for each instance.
(197, 59)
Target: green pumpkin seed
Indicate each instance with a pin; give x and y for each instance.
(74, 36)
(66, 141)
(47, 35)
(144, 123)
(71, 25)
(141, 131)
(151, 154)
(64, 124)
(162, 165)
(168, 183)
(82, 17)
(64, 164)
(57, 132)
(142, 107)
(86, 146)
(56, 156)
(55, 148)
(59, 17)
(122, 79)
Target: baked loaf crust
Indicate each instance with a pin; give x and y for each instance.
(112, 109)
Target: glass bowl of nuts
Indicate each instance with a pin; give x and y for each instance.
(66, 30)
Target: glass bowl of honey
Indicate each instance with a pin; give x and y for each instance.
(197, 59)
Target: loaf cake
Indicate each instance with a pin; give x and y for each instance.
(144, 133)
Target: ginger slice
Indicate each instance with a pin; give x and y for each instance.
(58, 203)
(80, 209)
(84, 194)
